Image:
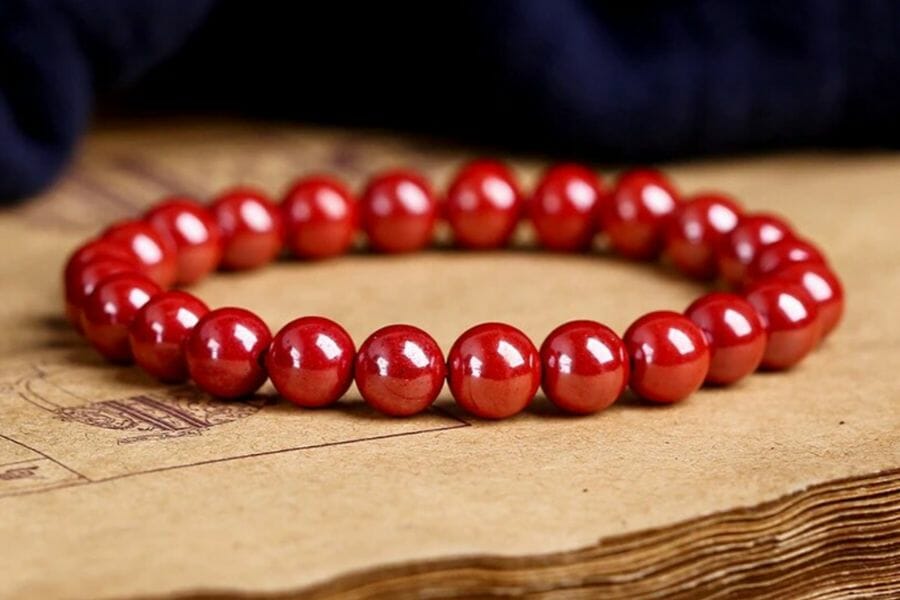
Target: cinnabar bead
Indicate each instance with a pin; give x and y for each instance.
(823, 285)
(320, 217)
(636, 213)
(252, 228)
(110, 309)
(695, 231)
(493, 370)
(398, 211)
(310, 361)
(584, 367)
(158, 331)
(483, 205)
(736, 335)
(669, 356)
(400, 370)
(82, 277)
(155, 254)
(564, 207)
(779, 255)
(194, 233)
(790, 317)
(225, 352)
(739, 249)
(98, 249)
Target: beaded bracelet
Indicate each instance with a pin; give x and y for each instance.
(788, 298)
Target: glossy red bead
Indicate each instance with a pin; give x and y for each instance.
(252, 229)
(695, 231)
(81, 278)
(483, 205)
(320, 217)
(310, 361)
(225, 352)
(790, 317)
(398, 211)
(110, 310)
(194, 233)
(739, 249)
(564, 208)
(400, 370)
(736, 335)
(779, 255)
(584, 367)
(669, 356)
(635, 215)
(493, 370)
(98, 249)
(822, 285)
(155, 254)
(158, 331)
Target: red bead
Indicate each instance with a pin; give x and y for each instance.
(695, 231)
(564, 207)
(157, 333)
(493, 370)
(822, 284)
(736, 335)
(194, 233)
(98, 249)
(669, 356)
(771, 259)
(155, 254)
(252, 230)
(398, 212)
(225, 352)
(790, 317)
(483, 205)
(584, 367)
(110, 309)
(319, 217)
(635, 215)
(82, 277)
(400, 370)
(310, 361)
(739, 249)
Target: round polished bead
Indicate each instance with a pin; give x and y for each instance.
(822, 284)
(736, 335)
(669, 356)
(320, 217)
(157, 333)
(564, 207)
(252, 229)
(635, 215)
(483, 205)
(155, 254)
(790, 317)
(739, 249)
(695, 231)
(493, 370)
(400, 370)
(98, 249)
(81, 278)
(398, 212)
(194, 233)
(225, 352)
(584, 367)
(310, 361)
(110, 310)
(779, 255)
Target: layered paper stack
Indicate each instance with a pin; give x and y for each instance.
(111, 485)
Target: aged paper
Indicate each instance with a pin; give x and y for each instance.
(114, 486)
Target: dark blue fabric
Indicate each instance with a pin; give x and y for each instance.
(636, 81)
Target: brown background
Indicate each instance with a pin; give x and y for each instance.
(261, 497)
